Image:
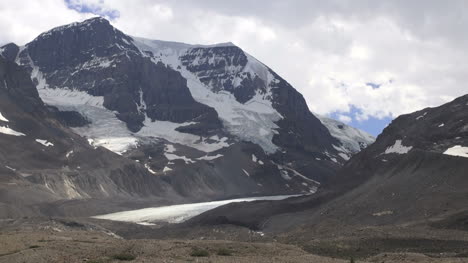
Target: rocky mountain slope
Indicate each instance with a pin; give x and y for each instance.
(210, 121)
(43, 161)
(404, 193)
(415, 173)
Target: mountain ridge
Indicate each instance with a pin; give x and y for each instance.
(211, 121)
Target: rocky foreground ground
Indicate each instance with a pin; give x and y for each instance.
(54, 245)
(32, 240)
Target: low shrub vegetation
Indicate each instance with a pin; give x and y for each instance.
(124, 257)
(198, 252)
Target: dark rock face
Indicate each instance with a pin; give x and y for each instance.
(17, 85)
(69, 118)
(218, 67)
(300, 128)
(9, 51)
(95, 57)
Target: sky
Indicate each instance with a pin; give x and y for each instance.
(364, 62)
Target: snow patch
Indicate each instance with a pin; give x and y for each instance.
(383, 213)
(44, 142)
(149, 169)
(169, 154)
(118, 145)
(9, 168)
(246, 173)
(210, 158)
(146, 224)
(441, 125)
(171, 157)
(457, 150)
(398, 148)
(421, 116)
(2, 118)
(284, 174)
(344, 156)
(254, 158)
(8, 131)
(169, 148)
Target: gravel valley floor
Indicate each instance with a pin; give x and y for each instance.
(65, 240)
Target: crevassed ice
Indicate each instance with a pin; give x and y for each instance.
(106, 129)
(246, 121)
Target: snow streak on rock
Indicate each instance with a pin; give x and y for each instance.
(398, 148)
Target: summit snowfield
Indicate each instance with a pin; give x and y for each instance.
(192, 115)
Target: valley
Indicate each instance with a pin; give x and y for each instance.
(115, 148)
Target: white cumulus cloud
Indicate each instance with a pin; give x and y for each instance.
(414, 51)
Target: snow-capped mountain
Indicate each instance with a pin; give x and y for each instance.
(352, 140)
(211, 121)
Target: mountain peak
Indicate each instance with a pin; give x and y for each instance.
(96, 24)
(78, 41)
(97, 19)
(9, 51)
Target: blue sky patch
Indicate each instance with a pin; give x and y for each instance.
(373, 85)
(373, 126)
(91, 9)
